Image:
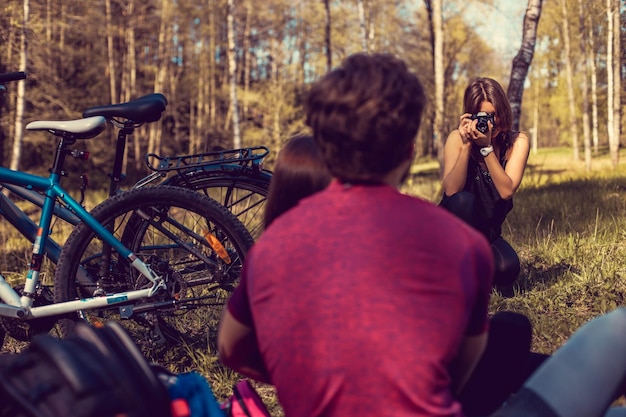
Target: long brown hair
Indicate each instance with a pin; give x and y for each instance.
(482, 89)
(298, 173)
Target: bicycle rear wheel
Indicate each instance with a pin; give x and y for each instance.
(243, 192)
(190, 239)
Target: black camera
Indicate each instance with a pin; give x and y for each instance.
(482, 118)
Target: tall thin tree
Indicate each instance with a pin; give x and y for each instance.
(327, 36)
(438, 34)
(569, 78)
(110, 51)
(523, 59)
(613, 141)
(617, 70)
(21, 92)
(584, 49)
(594, 83)
(363, 26)
(232, 73)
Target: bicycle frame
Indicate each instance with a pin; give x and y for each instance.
(18, 306)
(25, 225)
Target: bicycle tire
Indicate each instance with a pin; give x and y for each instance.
(243, 192)
(187, 314)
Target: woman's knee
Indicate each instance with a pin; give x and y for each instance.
(462, 205)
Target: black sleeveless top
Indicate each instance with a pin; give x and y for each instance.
(491, 208)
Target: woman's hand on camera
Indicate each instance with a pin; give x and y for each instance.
(469, 133)
(481, 139)
(465, 128)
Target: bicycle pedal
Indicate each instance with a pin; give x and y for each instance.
(126, 312)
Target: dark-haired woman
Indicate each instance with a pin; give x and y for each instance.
(483, 170)
(299, 172)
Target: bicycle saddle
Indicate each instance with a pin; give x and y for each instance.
(144, 109)
(77, 129)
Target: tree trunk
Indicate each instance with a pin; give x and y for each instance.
(21, 92)
(327, 34)
(362, 26)
(247, 58)
(585, 86)
(212, 101)
(431, 147)
(613, 141)
(535, 133)
(617, 79)
(571, 99)
(48, 21)
(232, 74)
(162, 59)
(197, 111)
(276, 93)
(523, 59)
(110, 52)
(62, 29)
(439, 135)
(594, 86)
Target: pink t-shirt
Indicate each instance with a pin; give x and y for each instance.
(360, 298)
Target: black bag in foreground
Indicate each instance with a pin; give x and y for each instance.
(97, 372)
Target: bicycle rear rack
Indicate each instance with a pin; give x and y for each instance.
(252, 156)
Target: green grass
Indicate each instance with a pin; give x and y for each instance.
(568, 226)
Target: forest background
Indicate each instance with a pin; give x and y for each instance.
(235, 71)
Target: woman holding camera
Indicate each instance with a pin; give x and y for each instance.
(483, 165)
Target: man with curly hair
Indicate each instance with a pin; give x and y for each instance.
(362, 300)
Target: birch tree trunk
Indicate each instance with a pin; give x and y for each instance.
(585, 86)
(327, 35)
(110, 51)
(197, 116)
(594, 86)
(62, 28)
(18, 137)
(362, 26)
(437, 24)
(617, 79)
(49, 20)
(277, 95)
(154, 142)
(535, 133)
(247, 58)
(613, 141)
(212, 72)
(232, 74)
(569, 79)
(523, 59)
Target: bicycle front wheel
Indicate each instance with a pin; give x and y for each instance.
(188, 238)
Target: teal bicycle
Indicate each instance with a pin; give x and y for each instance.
(160, 260)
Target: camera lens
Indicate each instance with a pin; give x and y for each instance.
(481, 125)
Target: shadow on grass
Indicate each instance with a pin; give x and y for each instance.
(537, 273)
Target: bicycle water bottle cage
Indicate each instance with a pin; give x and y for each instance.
(216, 159)
(144, 109)
(85, 128)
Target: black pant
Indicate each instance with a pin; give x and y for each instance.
(504, 366)
(507, 264)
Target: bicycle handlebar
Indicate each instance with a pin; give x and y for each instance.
(12, 76)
